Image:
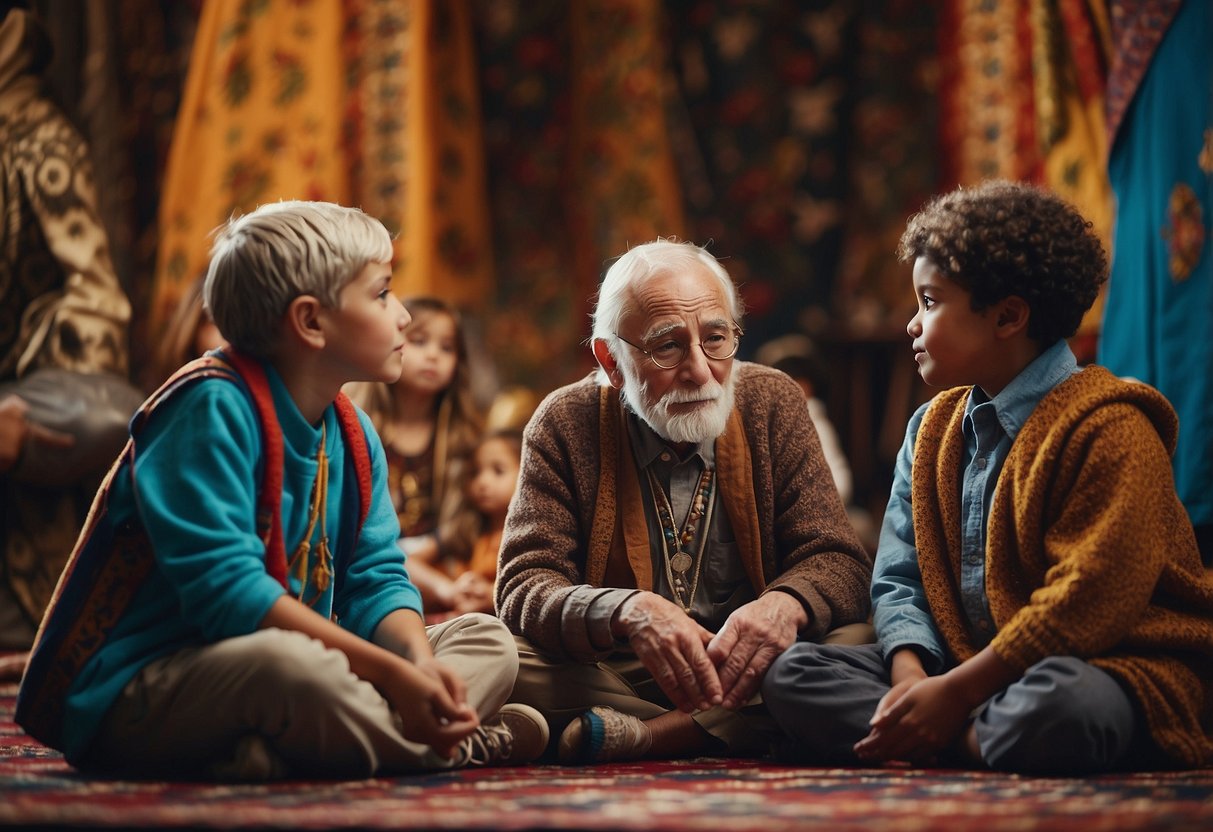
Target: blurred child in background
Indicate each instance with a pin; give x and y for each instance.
(807, 368)
(190, 332)
(799, 358)
(430, 425)
(492, 485)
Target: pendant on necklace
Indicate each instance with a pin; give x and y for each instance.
(681, 562)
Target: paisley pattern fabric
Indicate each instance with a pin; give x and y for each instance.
(60, 304)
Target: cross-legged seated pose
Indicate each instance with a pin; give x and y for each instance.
(1039, 601)
(237, 606)
(675, 528)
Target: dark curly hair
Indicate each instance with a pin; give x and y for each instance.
(999, 239)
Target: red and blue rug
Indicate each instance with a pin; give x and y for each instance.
(39, 790)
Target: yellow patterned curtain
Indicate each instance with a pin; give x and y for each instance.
(626, 190)
(1022, 98)
(364, 102)
(1071, 41)
(419, 144)
(255, 125)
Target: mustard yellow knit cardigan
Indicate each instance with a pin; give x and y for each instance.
(1089, 552)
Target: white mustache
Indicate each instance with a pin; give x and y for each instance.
(709, 392)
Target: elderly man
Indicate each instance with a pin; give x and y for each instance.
(675, 528)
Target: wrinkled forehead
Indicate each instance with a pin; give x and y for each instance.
(671, 301)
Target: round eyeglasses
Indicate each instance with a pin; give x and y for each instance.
(669, 353)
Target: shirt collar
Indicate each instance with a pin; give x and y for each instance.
(1015, 403)
(647, 446)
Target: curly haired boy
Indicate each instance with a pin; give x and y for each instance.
(1038, 597)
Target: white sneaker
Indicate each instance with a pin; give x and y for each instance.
(517, 735)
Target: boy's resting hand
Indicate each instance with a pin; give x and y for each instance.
(445, 676)
(918, 718)
(914, 722)
(428, 713)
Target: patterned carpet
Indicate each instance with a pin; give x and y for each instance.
(39, 790)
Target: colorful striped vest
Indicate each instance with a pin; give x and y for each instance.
(110, 562)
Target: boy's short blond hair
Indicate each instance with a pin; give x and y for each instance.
(263, 260)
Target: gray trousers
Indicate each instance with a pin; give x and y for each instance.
(192, 713)
(562, 691)
(1064, 716)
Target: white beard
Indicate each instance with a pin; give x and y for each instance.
(699, 425)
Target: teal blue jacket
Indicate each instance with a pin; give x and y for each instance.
(197, 466)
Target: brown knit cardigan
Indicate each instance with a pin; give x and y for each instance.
(1089, 552)
(575, 522)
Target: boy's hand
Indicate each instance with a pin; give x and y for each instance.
(906, 671)
(445, 676)
(428, 713)
(894, 695)
(914, 722)
(931, 714)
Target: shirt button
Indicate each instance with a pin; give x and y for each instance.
(981, 462)
(984, 624)
(665, 457)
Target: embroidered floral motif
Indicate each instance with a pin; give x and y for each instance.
(1185, 233)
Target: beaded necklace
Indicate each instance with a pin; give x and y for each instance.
(322, 572)
(674, 542)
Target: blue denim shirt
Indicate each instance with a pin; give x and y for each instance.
(901, 614)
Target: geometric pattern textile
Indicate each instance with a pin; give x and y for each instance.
(40, 790)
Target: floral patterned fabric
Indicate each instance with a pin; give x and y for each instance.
(362, 102)
(518, 147)
(1023, 98)
(789, 128)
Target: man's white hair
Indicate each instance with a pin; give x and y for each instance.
(640, 265)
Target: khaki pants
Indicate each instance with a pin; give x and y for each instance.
(191, 713)
(562, 691)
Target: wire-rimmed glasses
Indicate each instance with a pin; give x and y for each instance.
(668, 353)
